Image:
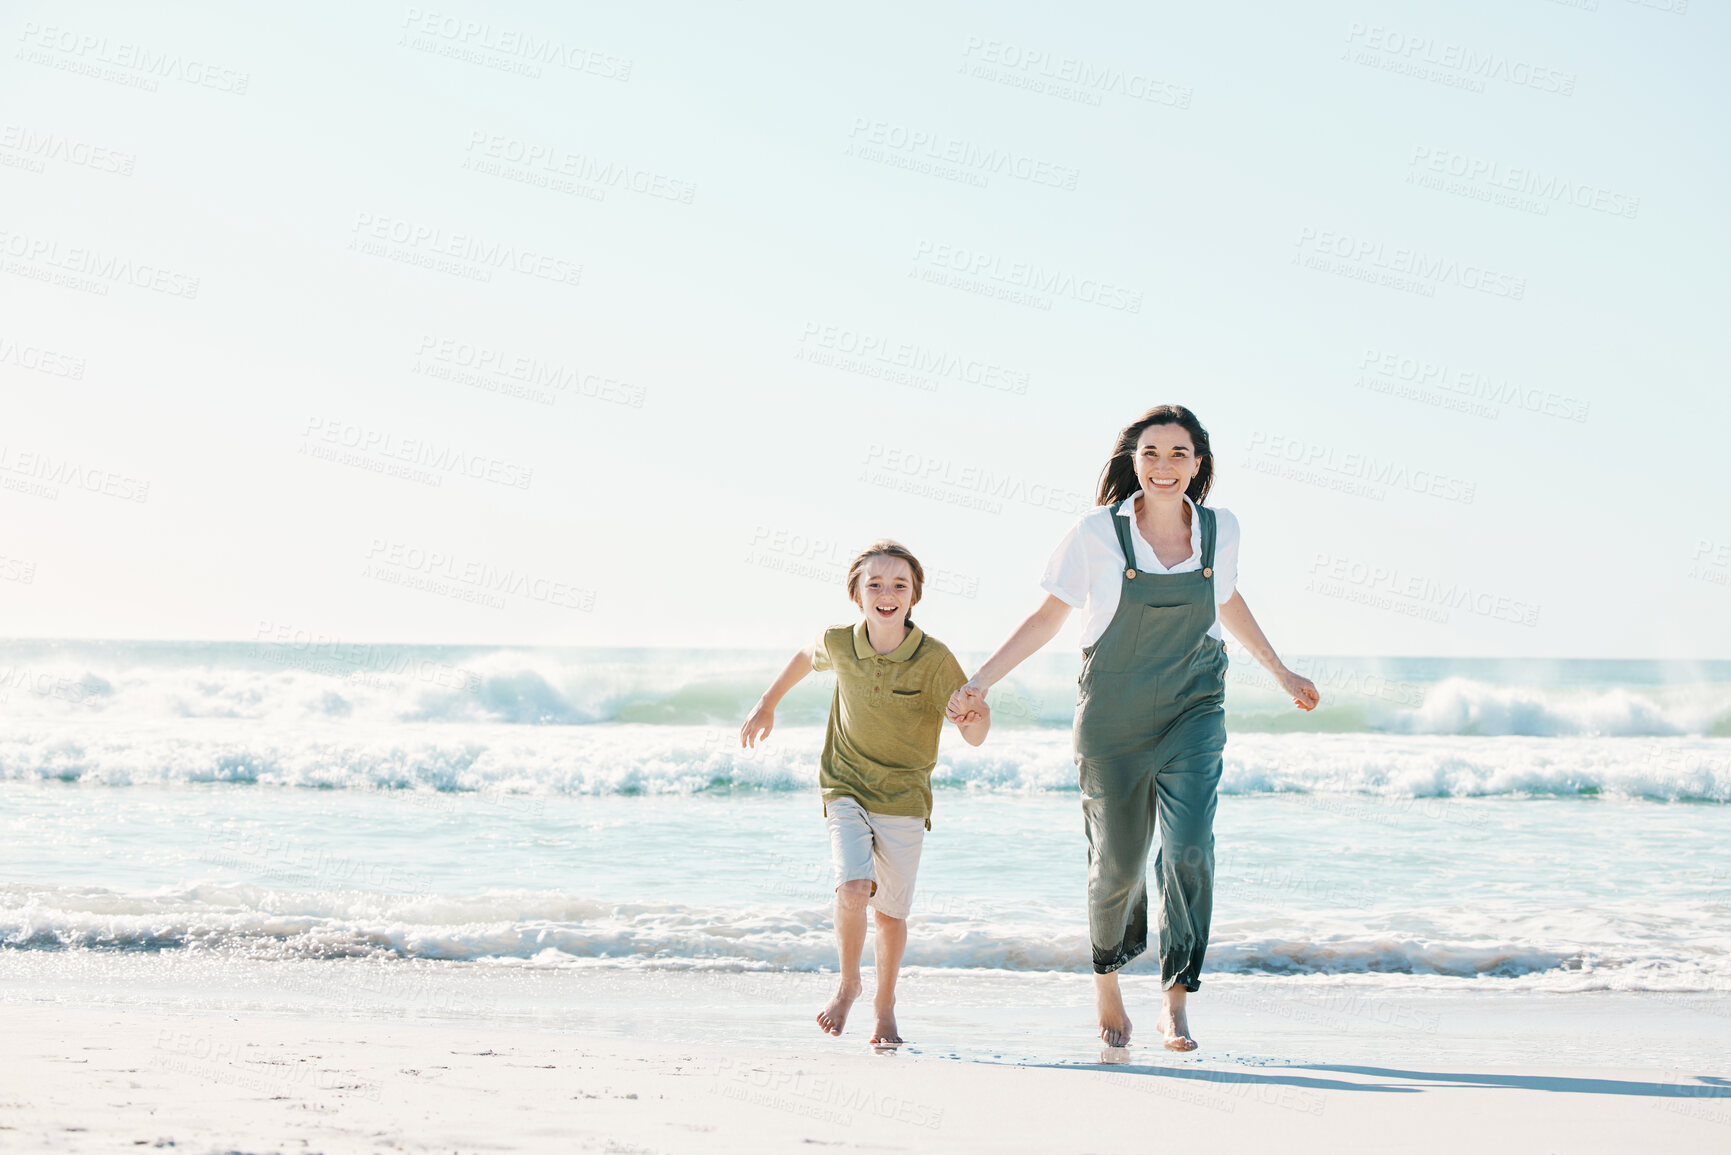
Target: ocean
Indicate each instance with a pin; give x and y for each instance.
(1555, 827)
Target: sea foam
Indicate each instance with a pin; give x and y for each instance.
(631, 759)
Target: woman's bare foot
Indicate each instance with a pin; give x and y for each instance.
(1175, 1026)
(1114, 1022)
(884, 1034)
(833, 1017)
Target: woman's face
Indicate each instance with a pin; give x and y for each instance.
(1165, 462)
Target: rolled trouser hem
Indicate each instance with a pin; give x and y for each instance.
(1182, 968)
(1116, 962)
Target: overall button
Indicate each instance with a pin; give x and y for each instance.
(1129, 573)
(1207, 572)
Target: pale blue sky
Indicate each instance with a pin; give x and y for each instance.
(703, 444)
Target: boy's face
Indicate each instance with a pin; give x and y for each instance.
(886, 590)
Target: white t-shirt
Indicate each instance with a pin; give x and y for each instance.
(1087, 568)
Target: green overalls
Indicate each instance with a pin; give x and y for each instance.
(1150, 731)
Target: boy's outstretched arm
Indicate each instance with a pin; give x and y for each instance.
(762, 718)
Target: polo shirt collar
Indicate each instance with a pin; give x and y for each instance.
(862, 644)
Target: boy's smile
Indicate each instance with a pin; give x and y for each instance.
(886, 594)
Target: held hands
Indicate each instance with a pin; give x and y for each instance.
(758, 725)
(1302, 689)
(968, 705)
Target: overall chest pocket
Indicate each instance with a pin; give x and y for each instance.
(1164, 632)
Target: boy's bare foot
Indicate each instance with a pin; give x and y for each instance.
(1114, 1022)
(884, 1034)
(833, 1017)
(1175, 1026)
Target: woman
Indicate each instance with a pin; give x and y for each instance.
(1153, 571)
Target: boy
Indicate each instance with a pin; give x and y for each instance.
(892, 684)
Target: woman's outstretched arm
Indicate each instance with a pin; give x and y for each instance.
(1235, 615)
(1036, 630)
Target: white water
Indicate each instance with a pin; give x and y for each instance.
(1546, 826)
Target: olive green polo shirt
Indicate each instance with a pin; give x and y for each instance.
(885, 719)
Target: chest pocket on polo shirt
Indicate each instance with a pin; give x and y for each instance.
(908, 699)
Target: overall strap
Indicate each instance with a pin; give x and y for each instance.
(1121, 525)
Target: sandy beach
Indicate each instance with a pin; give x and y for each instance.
(243, 1059)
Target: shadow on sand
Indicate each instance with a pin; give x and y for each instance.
(1393, 1080)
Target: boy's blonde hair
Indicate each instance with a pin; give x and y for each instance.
(883, 547)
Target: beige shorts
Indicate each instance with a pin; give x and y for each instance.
(881, 848)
